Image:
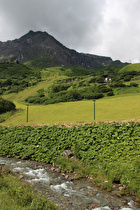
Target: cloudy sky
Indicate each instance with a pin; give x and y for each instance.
(101, 27)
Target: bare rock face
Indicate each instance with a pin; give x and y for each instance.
(35, 45)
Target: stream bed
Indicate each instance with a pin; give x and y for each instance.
(69, 195)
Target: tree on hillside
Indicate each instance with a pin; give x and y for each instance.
(6, 105)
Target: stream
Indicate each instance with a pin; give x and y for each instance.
(69, 195)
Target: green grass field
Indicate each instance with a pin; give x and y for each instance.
(131, 67)
(122, 107)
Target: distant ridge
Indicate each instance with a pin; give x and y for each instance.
(41, 45)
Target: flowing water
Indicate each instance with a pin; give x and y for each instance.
(71, 195)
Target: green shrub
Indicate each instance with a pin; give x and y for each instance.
(133, 84)
(1, 91)
(97, 95)
(14, 89)
(100, 79)
(58, 87)
(73, 94)
(6, 105)
(103, 89)
(31, 99)
(92, 80)
(110, 93)
(119, 84)
(127, 78)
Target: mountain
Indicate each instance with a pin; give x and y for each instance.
(47, 51)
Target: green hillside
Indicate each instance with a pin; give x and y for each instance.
(121, 96)
(85, 86)
(131, 67)
(12, 70)
(15, 77)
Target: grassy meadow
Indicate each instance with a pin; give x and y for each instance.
(130, 67)
(121, 107)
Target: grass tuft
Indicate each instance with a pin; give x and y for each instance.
(16, 194)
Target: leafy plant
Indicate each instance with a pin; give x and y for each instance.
(113, 149)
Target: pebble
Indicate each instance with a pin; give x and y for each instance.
(2, 164)
(21, 177)
(66, 177)
(102, 208)
(126, 209)
(107, 208)
(52, 169)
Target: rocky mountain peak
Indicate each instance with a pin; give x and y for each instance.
(35, 45)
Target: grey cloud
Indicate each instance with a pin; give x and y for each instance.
(73, 22)
(103, 27)
(121, 29)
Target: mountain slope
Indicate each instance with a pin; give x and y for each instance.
(131, 67)
(35, 45)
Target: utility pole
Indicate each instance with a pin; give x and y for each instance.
(27, 113)
(94, 108)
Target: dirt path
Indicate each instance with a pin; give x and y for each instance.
(86, 123)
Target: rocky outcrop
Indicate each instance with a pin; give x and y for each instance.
(35, 45)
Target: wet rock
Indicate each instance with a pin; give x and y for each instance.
(58, 170)
(71, 178)
(68, 153)
(102, 208)
(66, 177)
(122, 187)
(96, 201)
(22, 158)
(90, 178)
(123, 202)
(2, 164)
(94, 206)
(134, 204)
(52, 169)
(63, 172)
